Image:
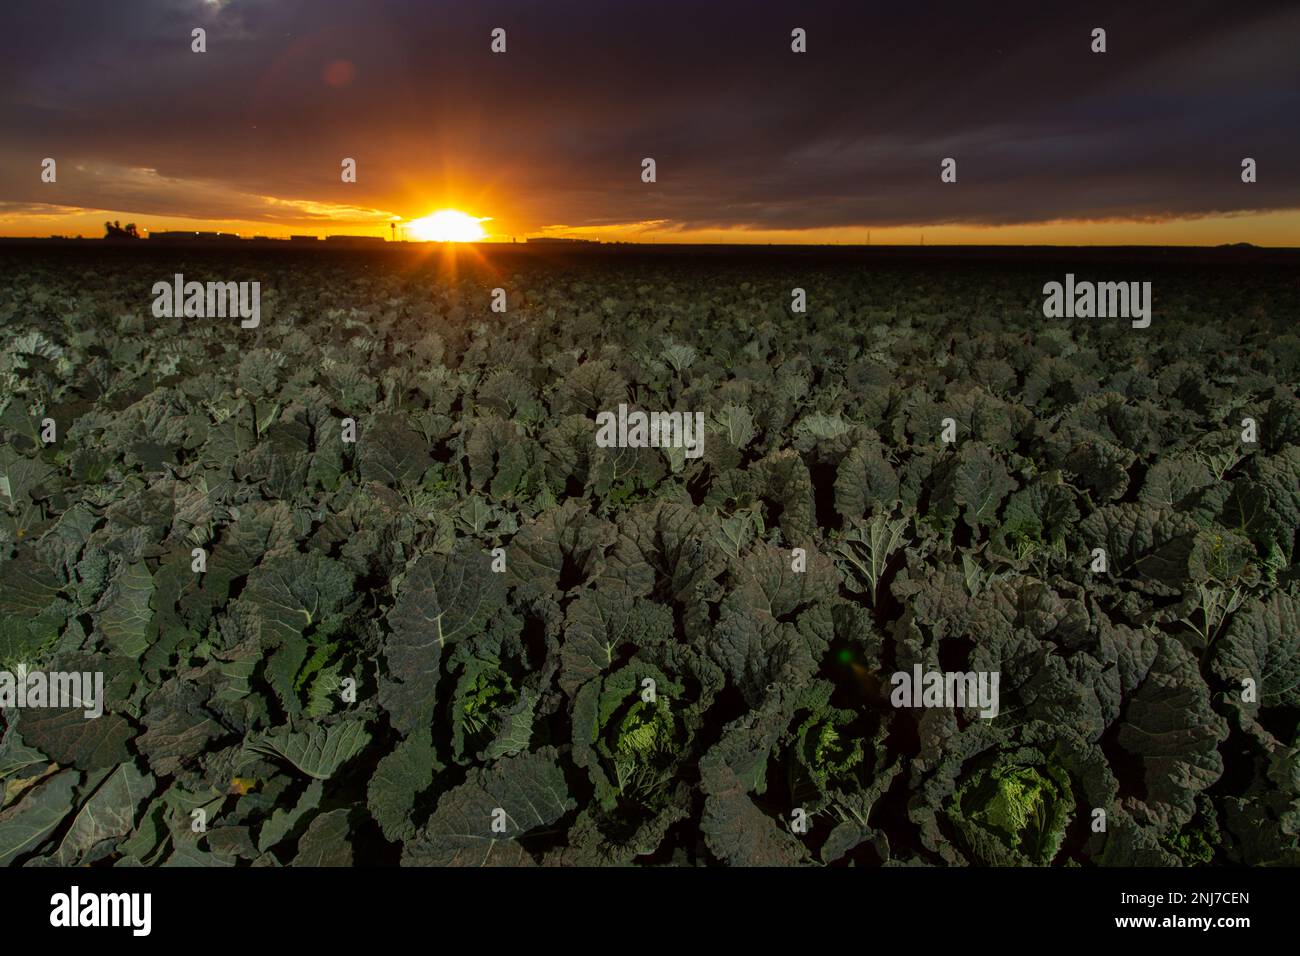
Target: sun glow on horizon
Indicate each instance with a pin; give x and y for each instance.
(448, 225)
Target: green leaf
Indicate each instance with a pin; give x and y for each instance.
(1262, 643)
(19, 477)
(738, 831)
(191, 855)
(290, 594)
(317, 752)
(516, 727)
(867, 547)
(565, 538)
(124, 614)
(1171, 725)
(70, 738)
(1149, 549)
(401, 777)
(31, 611)
(25, 826)
(525, 793)
(443, 599)
(602, 622)
(105, 817)
(284, 819)
(326, 841)
(866, 482)
(178, 731)
(982, 482)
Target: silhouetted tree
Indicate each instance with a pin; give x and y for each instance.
(115, 230)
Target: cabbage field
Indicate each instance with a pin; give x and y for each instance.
(363, 587)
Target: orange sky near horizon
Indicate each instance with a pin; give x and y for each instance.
(1271, 229)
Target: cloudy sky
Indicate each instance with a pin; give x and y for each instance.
(752, 141)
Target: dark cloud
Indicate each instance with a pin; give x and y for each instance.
(744, 132)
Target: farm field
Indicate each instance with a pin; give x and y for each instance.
(364, 588)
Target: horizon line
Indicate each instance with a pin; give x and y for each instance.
(310, 241)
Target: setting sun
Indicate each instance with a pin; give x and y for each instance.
(448, 225)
